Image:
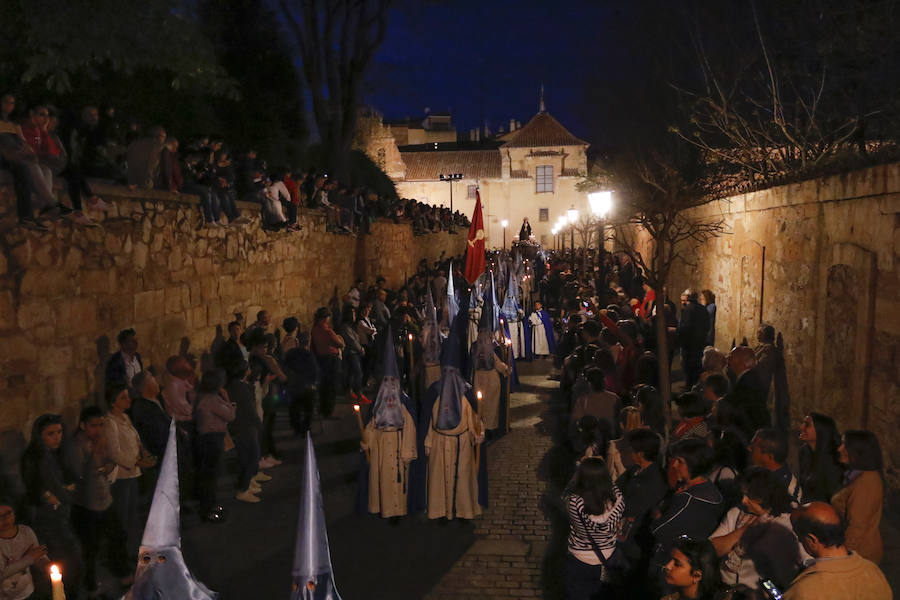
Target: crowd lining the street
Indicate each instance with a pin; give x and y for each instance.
(704, 506)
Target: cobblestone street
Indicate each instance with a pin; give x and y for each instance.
(507, 559)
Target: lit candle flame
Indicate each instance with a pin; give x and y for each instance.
(410, 336)
(508, 342)
(55, 573)
(478, 394)
(356, 407)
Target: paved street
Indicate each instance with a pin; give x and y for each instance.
(372, 558)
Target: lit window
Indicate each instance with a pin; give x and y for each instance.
(543, 214)
(470, 191)
(544, 178)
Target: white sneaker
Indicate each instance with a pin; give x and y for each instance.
(266, 463)
(275, 462)
(82, 219)
(97, 203)
(247, 496)
(262, 477)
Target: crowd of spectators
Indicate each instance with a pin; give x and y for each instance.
(86, 489)
(707, 504)
(42, 145)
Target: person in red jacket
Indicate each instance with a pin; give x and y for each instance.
(47, 152)
(327, 346)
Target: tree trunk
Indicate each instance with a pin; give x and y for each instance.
(662, 338)
(662, 349)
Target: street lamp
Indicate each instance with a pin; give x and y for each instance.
(561, 227)
(601, 203)
(505, 224)
(572, 214)
(450, 178)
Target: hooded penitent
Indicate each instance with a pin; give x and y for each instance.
(161, 571)
(452, 302)
(452, 385)
(388, 409)
(510, 303)
(483, 349)
(430, 336)
(312, 573)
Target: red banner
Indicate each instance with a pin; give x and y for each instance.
(475, 260)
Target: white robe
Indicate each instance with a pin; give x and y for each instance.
(517, 336)
(539, 345)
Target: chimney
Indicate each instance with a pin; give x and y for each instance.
(518, 124)
(512, 125)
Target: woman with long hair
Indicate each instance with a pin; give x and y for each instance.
(48, 495)
(692, 570)
(820, 471)
(860, 501)
(595, 509)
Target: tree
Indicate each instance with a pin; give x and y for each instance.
(655, 185)
(655, 175)
(789, 87)
(250, 44)
(55, 44)
(337, 40)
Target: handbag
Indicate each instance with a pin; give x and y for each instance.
(617, 564)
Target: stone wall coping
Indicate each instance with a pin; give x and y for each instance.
(105, 188)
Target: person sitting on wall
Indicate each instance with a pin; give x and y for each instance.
(144, 156)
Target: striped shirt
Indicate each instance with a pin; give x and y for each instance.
(601, 528)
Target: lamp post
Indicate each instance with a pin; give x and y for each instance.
(555, 239)
(450, 178)
(505, 224)
(572, 215)
(561, 228)
(601, 203)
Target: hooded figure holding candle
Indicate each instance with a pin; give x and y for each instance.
(389, 441)
(454, 430)
(487, 366)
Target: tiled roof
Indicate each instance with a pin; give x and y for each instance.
(542, 131)
(518, 174)
(570, 173)
(473, 164)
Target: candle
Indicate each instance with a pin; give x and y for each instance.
(362, 429)
(56, 583)
(478, 397)
(411, 365)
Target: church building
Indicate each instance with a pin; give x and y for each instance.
(529, 172)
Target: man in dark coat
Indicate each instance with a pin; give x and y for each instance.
(747, 390)
(692, 330)
(126, 363)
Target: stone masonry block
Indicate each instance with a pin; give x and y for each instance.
(34, 313)
(149, 305)
(76, 315)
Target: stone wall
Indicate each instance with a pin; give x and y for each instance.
(820, 261)
(65, 294)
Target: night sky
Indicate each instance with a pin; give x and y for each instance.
(489, 57)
